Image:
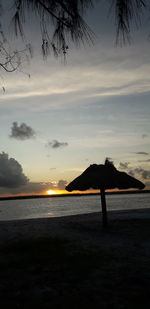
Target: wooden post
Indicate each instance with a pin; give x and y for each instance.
(104, 210)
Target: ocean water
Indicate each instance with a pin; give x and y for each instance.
(71, 205)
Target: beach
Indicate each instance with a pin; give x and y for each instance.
(73, 261)
(70, 226)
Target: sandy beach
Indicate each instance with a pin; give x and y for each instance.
(73, 261)
(71, 226)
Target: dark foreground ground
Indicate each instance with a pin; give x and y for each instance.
(73, 262)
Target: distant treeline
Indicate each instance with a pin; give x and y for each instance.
(20, 197)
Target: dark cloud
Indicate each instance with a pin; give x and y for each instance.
(61, 184)
(29, 188)
(147, 184)
(34, 188)
(21, 132)
(131, 173)
(38, 187)
(141, 172)
(55, 144)
(124, 165)
(144, 135)
(142, 153)
(148, 160)
(11, 173)
(145, 174)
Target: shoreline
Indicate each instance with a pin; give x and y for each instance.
(136, 212)
(70, 227)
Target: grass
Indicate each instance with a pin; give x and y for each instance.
(55, 272)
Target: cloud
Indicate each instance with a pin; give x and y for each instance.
(131, 173)
(21, 132)
(81, 77)
(145, 174)
(29, 188)
(62, 184)
(144, 135)
(38, 187)
(34, 188)
(11, 173)
(138, 172)
(148, 160)
(147, 184)
(124, 165)
(142, 153)
(55, 144)
(141, 172)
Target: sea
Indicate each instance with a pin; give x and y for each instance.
(18, 209)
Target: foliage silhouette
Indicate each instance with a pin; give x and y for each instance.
(62, 21)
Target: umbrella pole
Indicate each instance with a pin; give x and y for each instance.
(104, 210)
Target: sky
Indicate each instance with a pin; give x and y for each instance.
(67, 116)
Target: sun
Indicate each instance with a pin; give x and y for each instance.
(49, 192)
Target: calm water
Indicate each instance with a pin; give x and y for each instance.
(64, 206)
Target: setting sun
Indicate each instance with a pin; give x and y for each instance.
(51, 192)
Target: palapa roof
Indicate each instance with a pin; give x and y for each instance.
(103, 176)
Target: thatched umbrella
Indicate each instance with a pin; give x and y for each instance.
(102, 177)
